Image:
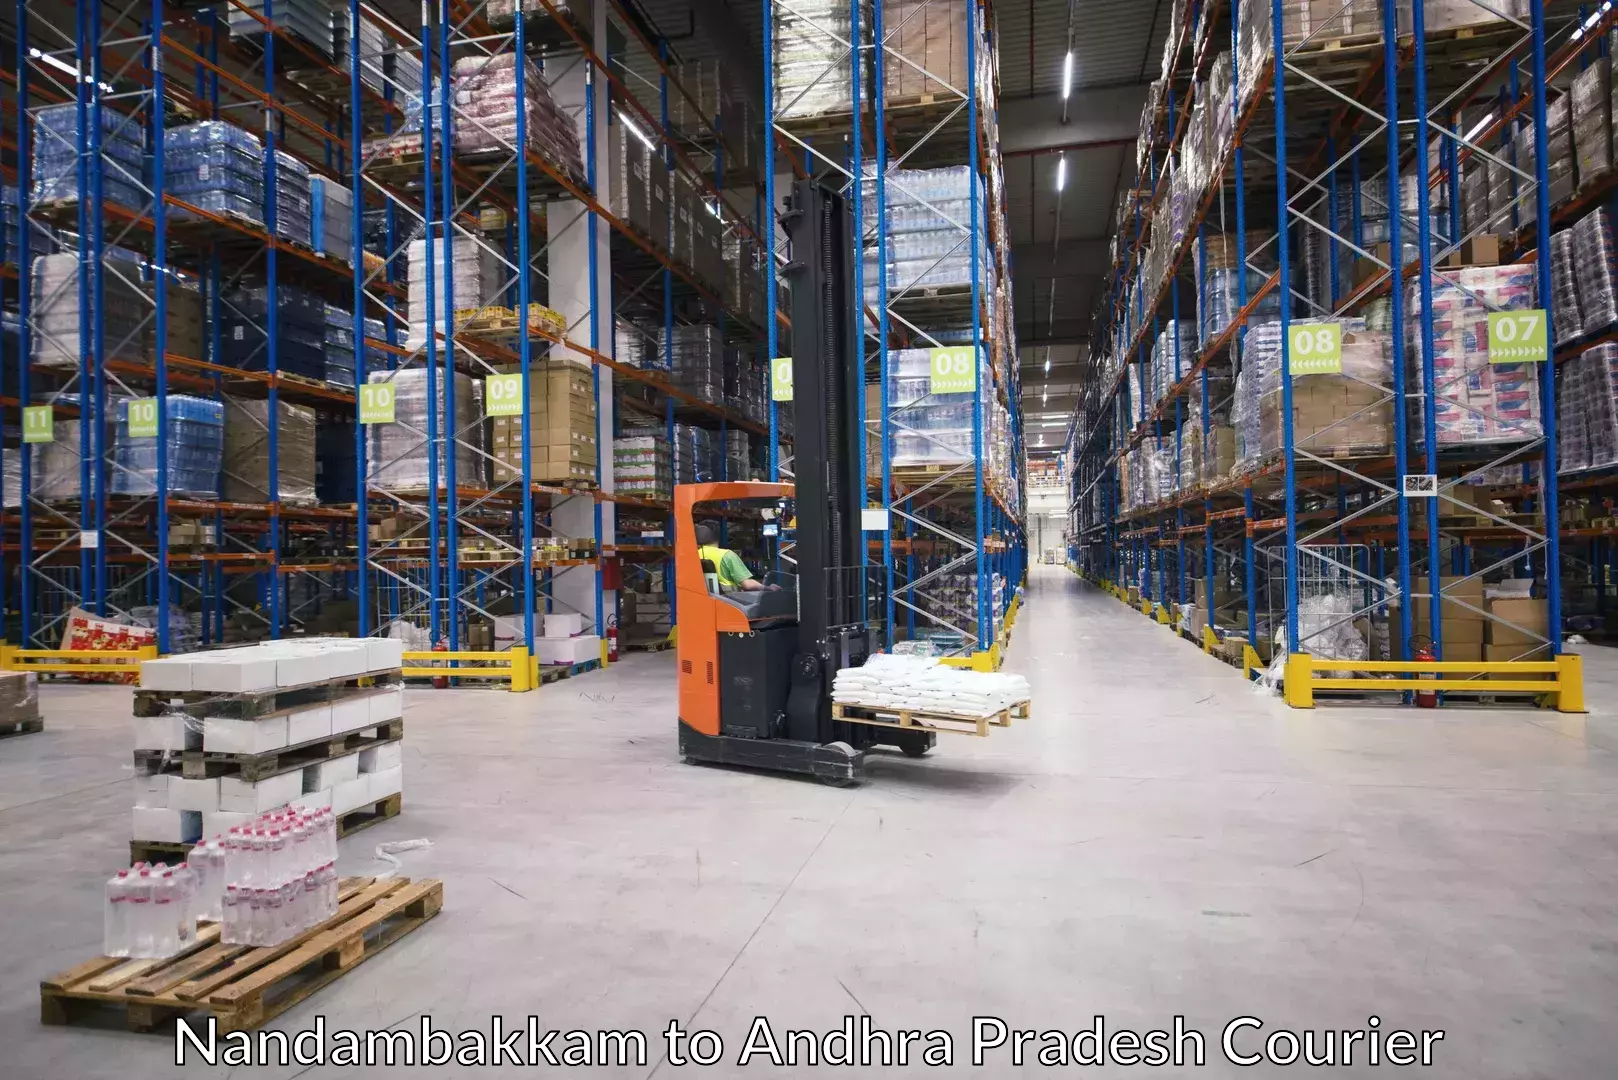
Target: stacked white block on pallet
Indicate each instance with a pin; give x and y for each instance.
(171, 808)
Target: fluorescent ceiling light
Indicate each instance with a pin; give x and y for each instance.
(1067, 74)
(1047, 362)
(624, 120)
(1061, 172)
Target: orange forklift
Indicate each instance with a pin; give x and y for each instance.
(756, 668)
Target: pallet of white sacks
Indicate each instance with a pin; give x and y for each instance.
(943, 723)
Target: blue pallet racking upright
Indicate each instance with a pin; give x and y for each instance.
(907, 126)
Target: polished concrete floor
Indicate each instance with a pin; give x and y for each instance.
(1158, 840)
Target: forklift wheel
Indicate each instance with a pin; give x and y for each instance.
(912, 749)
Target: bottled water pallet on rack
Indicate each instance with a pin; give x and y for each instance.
(205, 764)
(242, 986)
(361, 817)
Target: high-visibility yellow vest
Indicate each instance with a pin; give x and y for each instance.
(715, 554)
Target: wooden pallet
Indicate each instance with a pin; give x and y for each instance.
(21, 727)
(918, 720)
(259, 704)
(362, 817)
(656, 644)
(204, 764)
(553, 672)
(240, 986)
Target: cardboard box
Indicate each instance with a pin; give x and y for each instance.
(169, 733)
(307, 725)
(560, 624)
(1461, 624)
(328, 774)
(385, 782)
(254, 797)
(220, 822)
(165, 826)
(169, 673)
(1527, 613)
(1467, 652)
(225, 736)
(350, 715)
(314, 800)
(152, 790)
(351, 795)
(233, 671)
(389, 755)
(571, 650)
(388, 705)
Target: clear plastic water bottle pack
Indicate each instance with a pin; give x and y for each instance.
(263, 883)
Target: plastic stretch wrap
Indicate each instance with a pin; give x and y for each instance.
(1565, 311)
(397, 452)
(214, 166)
(697, 355)
(1593, 257)
(1332, 414)
(476, 277)
(485, 92)
(1587, 410)
(310, 20)
(300, 329)
(247, 453)
(641, 467)
(1592, 120)
(54, 341)
(196, 443)
(56, 157)
(813, 72)
(1476, 402)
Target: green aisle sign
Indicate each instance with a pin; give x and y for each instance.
(502, 395)
(142, 418)
(954, 370)
(1315, 348)
(1518, 337)
(38, 426)
(781, 378)
(376, 403)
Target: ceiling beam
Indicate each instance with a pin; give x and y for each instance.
(1096, 118)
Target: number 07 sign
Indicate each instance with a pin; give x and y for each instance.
(1518, 337)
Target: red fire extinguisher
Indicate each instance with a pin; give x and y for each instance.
(1421, 650)
(612, 639)
(441, 682)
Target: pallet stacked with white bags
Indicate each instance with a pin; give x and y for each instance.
(918, 692)
(223, 736)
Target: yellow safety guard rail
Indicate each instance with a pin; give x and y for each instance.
(514, 665)
(1561, 685)
(75, 661)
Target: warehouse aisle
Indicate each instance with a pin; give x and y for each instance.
(1157, 840)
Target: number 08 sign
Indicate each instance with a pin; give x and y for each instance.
(954, 370)
(1315, 348)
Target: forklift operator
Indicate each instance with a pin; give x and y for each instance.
(733, 573)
